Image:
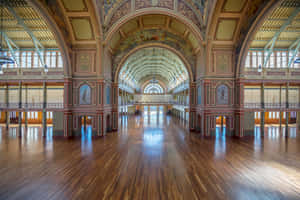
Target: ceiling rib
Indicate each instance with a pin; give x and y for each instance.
(270, 45)
(294, 52)
(38, 46)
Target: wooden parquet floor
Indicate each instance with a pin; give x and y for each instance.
(149, 159)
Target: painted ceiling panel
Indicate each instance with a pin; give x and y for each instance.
(177, 26)
(151, 20)
(226, 29)
(82, 28)
(234, 5)
(74, 5)
(130, 26)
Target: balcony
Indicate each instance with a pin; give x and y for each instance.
(31, 106)
(271, 105)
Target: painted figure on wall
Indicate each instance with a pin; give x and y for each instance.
(199, 95)
(85, 95)
(222, 95)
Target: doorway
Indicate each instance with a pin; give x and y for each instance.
(221, 126)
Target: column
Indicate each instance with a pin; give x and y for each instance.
(262, 116)
(239, 124)
(26, 107)
(115, 95)
(7, 106)
(68, 116)
(222, 124)
(100, 126)
(20, 107)
(287, 113)
(192, 107)
(280, 114)
(44, 119)
(287, 124)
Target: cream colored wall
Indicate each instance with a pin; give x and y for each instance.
(35, 94)
(271, 95)
(13, 94)
(252, 95)
(2, 95)
(294, 95)
(55, 94)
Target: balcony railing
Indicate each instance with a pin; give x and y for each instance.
(31, 105)
(154, 102)
(271, 105)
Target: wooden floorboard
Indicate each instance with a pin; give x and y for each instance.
(149, 160)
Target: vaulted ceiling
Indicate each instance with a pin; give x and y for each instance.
(23, 27)
(282, 27)
(153, 62)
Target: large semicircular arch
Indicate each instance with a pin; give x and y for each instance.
(177, 53)
(62, 45)
(148, 11)
(251, 33)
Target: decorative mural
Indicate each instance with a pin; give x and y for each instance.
(222, 63)
(83, 62)
(85, 95)
(113, 10)
(222, 95)
(199, 95)
(108, 95)
(166, 4)
(139, 4)
(185, 10)
(152, 36)
(120, 12)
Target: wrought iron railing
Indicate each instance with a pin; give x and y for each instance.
(271, 105)
(31, 105)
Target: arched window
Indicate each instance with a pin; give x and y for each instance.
(153, 88)
(85, 94)
(222, 95)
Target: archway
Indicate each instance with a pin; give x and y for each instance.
(155, 62)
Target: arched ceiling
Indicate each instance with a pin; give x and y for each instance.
(155, 62)
(153, 88)
(195, 10)
(281, 28)
(154, 29)
(23, 27)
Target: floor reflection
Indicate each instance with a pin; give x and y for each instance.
(86, 140)
(220, 141)
(273, 131)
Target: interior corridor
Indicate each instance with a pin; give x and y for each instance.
(152, 156)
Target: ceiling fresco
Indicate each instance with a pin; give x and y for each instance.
(194, 10)
(152, 29)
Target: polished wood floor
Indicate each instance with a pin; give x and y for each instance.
(149, 158)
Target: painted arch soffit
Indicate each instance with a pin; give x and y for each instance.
(195, 10)
(153, 36)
